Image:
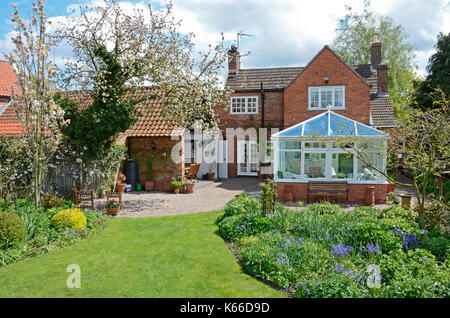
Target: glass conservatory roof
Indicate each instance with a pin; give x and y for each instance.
(330, 124)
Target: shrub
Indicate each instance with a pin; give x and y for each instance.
(436, 216)
(241, 205)
(12, 230)
(332, 285)
(398, 212)
(323, 208)
(284, 259)
(268, 196)
(73, 218)
(237, 226)
(35, 221)
(439, 247)
(93, 218)
(50, 200)
(413, 274)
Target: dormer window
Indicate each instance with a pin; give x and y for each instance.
(321, 97)
(244, 105)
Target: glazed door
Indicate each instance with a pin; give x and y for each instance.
(248, 158)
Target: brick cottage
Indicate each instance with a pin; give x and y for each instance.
(326, 98)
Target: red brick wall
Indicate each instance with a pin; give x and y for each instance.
(163, 169)
(299, 191)
(326, 64)
(356, 192)
(273, 114)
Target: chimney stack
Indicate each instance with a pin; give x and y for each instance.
(382, 79)
(234, 61)
(375, 52)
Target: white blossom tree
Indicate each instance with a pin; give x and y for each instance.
(34, 104)
(118, 53)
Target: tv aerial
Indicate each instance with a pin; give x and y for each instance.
(239, 35)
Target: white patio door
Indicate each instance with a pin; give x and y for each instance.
(247, 158)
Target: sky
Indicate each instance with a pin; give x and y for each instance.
(283, 32)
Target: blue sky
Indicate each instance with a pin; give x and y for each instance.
(284, 32)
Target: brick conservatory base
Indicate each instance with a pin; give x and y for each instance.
(356, 193)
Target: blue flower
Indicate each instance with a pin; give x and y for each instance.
(341, 250)
(373, 248)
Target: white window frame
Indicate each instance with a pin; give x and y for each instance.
(328, 151)
(320, 97)
(246, 98)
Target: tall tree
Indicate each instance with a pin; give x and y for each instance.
(41, 118)
(354, 37)
(425, 135)
(117, 53)
(438, 69)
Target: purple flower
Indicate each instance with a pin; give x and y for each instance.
(373, 248)
(240, 228)
(341, 250)
(343, 270)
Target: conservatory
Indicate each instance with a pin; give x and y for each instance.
(328, 148)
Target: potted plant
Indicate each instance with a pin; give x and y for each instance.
(112, 207)
(120, 183)
(101, 191)
(149, 183)
(210, 174)
(190, 183)
(176, 185)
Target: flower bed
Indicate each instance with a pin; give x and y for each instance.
(322, 251)
(46, 229)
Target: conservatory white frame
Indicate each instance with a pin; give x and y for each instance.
(329, 151)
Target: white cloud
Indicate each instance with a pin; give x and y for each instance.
(287, 32)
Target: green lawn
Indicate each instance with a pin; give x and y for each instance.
(175, 256)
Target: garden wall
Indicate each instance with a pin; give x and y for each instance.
(356, 192)
(158, 150)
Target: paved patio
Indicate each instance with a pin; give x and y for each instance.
(207, 196)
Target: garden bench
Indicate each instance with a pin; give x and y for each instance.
(327, 190)
(84, 199)
(112, 195)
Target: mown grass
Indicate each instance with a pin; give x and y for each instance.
(175, 256)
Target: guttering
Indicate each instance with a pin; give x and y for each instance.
(262, 105)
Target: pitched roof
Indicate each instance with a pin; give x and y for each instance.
(7, 79)
(273, 78)
(330, 124)
(9, 122)
(381, 111)
(151, 120)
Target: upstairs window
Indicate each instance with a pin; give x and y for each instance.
(320, 97)
(244, 105)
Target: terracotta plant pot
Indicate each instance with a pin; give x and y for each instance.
(112, 211)
(176, 190)
(190, 187)
(149, 185)
(101, 195)
(210, 176)
(120, 187)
